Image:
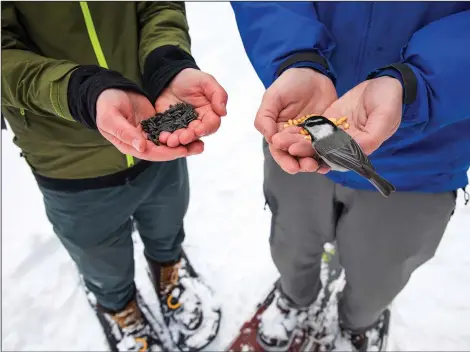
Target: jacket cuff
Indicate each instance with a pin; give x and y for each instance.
(58, 87)
(309, 59)
(405, 75)
(162, 65)
(86, 84)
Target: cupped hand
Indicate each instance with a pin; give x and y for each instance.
(296, 93)
(200, 90)
(374, 111)
(118, 117)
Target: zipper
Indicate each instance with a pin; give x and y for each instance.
(98, 50)
(360, 61)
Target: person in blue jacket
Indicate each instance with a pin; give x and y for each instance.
(400, 72)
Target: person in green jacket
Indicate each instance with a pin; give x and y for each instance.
(77, 79)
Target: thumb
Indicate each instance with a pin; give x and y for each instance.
(266, 117)
(118, 126)
(216, 94)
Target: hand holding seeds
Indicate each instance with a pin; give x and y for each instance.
(296, 93)
(201, 91)
(374, 110)
(118, 117)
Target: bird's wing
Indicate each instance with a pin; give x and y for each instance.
(349, 154)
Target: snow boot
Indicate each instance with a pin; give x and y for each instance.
(279, 323)
(374, 338)
(132, 331)
(186, 302)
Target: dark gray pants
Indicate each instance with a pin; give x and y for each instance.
(95, 226)
(380, 241)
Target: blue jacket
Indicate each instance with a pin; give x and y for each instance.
(348, 41)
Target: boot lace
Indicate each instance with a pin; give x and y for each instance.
(132, 325)
(168, 280)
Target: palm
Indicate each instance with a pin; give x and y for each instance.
(132, 106)
(307, 96)
(352, 106)
(373, 109)
(118, 117)
(202, 92)
(137, 108)
(190, 95)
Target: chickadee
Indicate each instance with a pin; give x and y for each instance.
(341, 152)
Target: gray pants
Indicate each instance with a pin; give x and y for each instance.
(380, 241)
(95, 226)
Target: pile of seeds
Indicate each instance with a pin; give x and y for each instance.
(176, 117)
(341, 122)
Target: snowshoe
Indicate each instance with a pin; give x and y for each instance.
(374, 339)
(132, 329)
(187, 304)
(304, 336)
(279, 323)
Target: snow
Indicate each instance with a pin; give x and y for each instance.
(43, 308)
(276, 324)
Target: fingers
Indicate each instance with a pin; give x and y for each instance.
(196, 147)
(209, 123)
(283, 140)
(287, 162)
(163, 138)
(156, 153)
(181, 136)
(174, 139)
(216, 94)
(266, 117)
(308, 165)
(301, 149)
(114, 124)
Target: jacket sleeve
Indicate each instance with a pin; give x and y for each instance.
(31, 81)
(435, 72)
(281, 35)
(164, 48)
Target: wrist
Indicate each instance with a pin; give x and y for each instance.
(403, 74)
(308, 59)
(161, 66)
(86, 85)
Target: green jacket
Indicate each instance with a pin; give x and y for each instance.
(43, 42)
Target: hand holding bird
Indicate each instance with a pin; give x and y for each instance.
(296, 93)
(374, 111)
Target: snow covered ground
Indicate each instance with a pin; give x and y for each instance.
(43, 307)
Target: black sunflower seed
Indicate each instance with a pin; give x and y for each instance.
(176, 117)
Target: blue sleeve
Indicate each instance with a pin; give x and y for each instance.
(435, 73)
(280, 35)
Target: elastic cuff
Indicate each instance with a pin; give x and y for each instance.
(86, 84)
(309, 59)
(405, 75)
(162, 65)
(58, 88)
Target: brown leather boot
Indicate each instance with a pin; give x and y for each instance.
(186, 303)
(136, 333)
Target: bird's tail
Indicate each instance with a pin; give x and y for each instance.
(382, 185)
